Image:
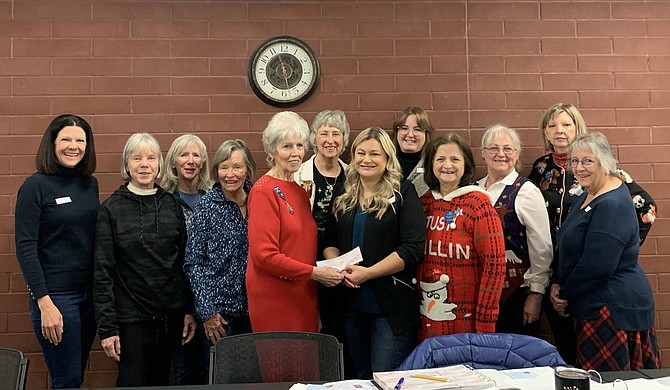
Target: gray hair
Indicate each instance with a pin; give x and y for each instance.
(335, 119)
(499, 129)
(136, 142)
(598, 144)
(170, 181)
(226, 150)
(282, 126)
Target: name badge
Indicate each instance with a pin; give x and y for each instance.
(587, 209)
(419, 170)
(63, 200)
(392, 199)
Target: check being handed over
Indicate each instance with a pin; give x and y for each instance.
(354, 256)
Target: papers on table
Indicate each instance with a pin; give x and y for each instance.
(354, 256)
(352, 384)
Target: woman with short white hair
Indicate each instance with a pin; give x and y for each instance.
(141, 295)
(599, 280)
(281, 272)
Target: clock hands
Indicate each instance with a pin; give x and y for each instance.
(283, 69)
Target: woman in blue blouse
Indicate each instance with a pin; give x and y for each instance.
(216, 254)
(600, 282)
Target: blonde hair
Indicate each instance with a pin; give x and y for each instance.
(383, 191)
(555, 110)
(170, 180)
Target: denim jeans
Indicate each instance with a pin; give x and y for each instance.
(373, 345)
(67, 360)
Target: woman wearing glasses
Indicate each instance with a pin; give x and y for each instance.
(412, 133)
(528, 250)
(560, 124)
(599, 280)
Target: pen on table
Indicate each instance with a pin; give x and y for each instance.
(399, 384)
(432, 378)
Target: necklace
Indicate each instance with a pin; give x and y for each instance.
(329, 186)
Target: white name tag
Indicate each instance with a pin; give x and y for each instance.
(419, 170)
(587, 209)
(392, 199)
(63, 200)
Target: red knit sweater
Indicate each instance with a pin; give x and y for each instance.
(461, 277)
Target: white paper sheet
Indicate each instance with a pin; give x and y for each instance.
(354, 256)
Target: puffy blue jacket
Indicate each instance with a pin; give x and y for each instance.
(483, 350)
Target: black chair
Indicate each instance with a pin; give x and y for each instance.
(13, 369)
(276, 357)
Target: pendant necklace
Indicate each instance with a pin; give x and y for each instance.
(329, 186)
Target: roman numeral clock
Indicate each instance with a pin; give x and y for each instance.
(283, 71)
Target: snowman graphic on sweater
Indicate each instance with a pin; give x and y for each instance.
(434, 303)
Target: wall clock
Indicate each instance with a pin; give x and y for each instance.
(283, 71)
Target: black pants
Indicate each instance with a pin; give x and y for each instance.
(510, 317)
(146, 351)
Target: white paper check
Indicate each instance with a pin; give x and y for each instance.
(354, 256)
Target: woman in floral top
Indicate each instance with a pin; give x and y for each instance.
(560, 124)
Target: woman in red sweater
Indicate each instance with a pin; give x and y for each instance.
(281, 271)
(461, 276)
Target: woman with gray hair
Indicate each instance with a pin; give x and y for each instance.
(525, 223)
(281, 272)
(218, 245)
(140, 291)
(599, 279)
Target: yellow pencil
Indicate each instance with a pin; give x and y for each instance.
(432, 378)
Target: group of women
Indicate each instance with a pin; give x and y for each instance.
(168, 270)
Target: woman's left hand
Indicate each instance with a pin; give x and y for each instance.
(189, 329)
(355, 275)
(532, 308)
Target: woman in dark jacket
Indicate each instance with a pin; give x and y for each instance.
(141, 293)
(380, 213)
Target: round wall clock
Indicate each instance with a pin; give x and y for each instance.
(283, 71)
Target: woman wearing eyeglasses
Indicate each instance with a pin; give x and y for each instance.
(412, 130)
(525, 223)
(560, 124)
(599, 280)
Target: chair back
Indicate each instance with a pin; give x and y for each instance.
(276, 357)
(13, 369)
(498, 351)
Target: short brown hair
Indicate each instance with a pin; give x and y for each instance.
(45, 159)
(431, 150)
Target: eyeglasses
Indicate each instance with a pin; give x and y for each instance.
(493, 150)
(406, 129)
(586, 162)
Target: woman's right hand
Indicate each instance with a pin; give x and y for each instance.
(214, 328)
(328, 276)
(51, 319)
(112, 347)
(559, 304)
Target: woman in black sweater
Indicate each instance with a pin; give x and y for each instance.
(56, 209)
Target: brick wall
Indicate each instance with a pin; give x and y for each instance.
(170, 67)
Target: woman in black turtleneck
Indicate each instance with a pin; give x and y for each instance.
(412, 130)
(56, 211)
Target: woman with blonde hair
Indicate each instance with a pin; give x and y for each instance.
(186, 176)
(380, 213)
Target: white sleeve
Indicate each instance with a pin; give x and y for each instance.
(532, 213)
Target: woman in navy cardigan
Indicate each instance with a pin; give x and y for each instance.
(380, 213)
(600, 282)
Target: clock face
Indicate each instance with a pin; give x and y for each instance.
(283, 71)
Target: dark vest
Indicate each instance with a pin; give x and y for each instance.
(515, 238)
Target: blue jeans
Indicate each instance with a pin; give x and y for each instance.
(373, 345)
(67, 360)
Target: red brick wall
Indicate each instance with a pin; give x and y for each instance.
(170, 67)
